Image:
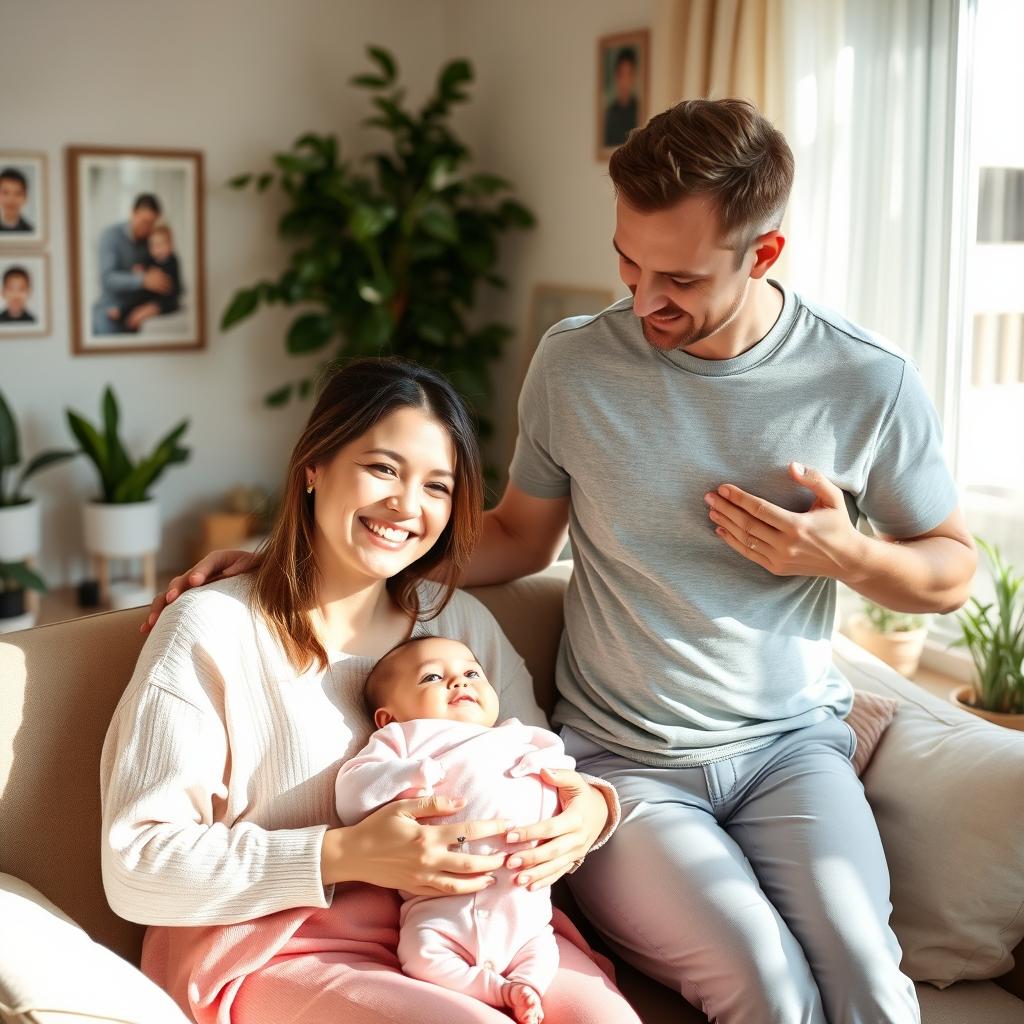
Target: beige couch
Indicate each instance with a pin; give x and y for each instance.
(59, 685)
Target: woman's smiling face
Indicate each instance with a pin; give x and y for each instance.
(383, 500)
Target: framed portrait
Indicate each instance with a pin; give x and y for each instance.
(24, 199)
(554, 302)
(622, 88)
(24, 295)
(135, 223)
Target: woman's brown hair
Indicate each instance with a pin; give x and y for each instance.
(351, 402)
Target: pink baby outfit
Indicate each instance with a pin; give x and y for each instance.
(473, 943)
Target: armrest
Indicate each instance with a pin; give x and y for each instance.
(945, 788)
(50, 968)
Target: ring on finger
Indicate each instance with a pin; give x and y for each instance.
(751, 542)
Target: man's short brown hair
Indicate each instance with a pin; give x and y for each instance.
(725, 149)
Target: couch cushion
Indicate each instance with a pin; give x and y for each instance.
(51, 970)
(947, 790)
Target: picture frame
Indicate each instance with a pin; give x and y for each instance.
(136, 241)
(623, 91)
(551, 303)
(25, 295)
(24, 199)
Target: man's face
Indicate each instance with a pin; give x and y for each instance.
(142, 222)
(625, 81)
(12, 199)
(15, 293)
(684, 279)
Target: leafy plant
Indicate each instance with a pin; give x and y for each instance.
(10, 456)
(18, 576)
(122, 480)
(993, 634)
(390, 262)
(884, 620)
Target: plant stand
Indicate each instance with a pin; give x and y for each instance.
(107, 587)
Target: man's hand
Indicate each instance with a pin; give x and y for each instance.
(819, 542)
(155, 280)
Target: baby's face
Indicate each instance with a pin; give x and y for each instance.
(159, 246)
(437, 678)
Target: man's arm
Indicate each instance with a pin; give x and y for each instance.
(115, 277)
(930, 573)
(522, 535)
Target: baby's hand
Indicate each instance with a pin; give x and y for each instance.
(137, 268)
(523, 1001)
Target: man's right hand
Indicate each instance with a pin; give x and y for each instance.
(217, 565)
(155, 280)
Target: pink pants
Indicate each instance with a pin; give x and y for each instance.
(339, 966)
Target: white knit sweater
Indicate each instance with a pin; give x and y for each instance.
(218, 769)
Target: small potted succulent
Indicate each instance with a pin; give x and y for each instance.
(895, 637)
(16, 579)
(993, 634)
(19, 513)
(123, 521)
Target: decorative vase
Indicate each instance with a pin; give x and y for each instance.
(19, 531)
(964, 696)
(901, 651)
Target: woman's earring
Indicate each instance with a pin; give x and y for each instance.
(309, 488)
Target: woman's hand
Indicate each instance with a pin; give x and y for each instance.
(217, 565)
(390, 848)
(565, 838)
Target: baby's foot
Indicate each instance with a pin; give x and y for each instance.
(524, 1002)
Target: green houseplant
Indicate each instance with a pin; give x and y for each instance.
(895, 637)
(993, 633)
(390, 261)
(19, 518)
(124, 522)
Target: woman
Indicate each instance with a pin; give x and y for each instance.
(219, 825)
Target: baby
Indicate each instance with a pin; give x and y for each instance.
(435, 712)
(162, 256)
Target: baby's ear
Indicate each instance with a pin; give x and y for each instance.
(382, 717)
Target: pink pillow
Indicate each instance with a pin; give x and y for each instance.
(870, 716)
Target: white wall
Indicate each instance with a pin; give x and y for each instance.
(238, 80)
(533, 121)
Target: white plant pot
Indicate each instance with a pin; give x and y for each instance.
(15, 622)
(901, 651)
(19, 532)
(122, 531)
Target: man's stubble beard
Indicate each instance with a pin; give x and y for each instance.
(694, 335)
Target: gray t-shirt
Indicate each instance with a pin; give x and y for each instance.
(678, 650)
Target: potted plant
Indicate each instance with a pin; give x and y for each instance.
(123, 521)
(390, 262)
(895, 637)
(993, 634)
(16, 579)
(19, 514)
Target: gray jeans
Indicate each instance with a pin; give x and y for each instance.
(756, 886)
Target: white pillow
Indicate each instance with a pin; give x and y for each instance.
(51, 970)
(947, 790)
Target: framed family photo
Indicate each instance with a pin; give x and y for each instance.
(135, 223)
(622, 88)
(554, 302)
(24, 199)
(24, 295)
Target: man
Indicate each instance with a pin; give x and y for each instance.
(123, 258)
(709, 443)
(621, 115)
